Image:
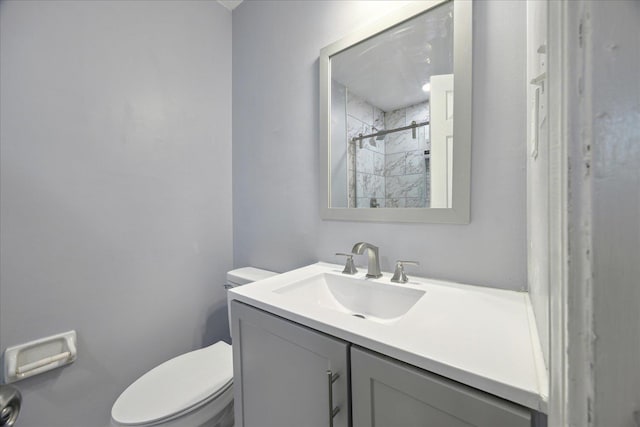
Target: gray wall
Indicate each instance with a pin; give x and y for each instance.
(275, 150)
(115, 196)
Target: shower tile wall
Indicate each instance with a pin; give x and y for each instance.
(367, 160)
(405, 165)
(392, 171)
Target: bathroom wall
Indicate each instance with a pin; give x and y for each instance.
(277, 223)
(115, 190)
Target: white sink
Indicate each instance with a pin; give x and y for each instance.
(447, 328)
(378, 302)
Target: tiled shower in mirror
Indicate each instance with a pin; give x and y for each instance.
(390, 170)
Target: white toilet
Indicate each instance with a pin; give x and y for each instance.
(191, 390)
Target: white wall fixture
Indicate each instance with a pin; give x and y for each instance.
(39, 356)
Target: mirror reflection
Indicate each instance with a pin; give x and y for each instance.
(392, 117)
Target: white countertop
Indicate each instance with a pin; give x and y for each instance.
(483, 337)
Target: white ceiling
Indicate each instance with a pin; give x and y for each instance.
(230, 4)
(389, 70)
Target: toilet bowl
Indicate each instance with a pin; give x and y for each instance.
(191, 390)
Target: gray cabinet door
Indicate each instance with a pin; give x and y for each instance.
(388, 393)
(280, 372)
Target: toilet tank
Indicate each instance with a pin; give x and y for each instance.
(244, 275)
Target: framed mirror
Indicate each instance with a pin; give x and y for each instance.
(395, 117)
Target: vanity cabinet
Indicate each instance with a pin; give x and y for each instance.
(281, 380)
(390, 393)
(282, 372)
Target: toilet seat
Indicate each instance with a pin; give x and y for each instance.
(176, 387)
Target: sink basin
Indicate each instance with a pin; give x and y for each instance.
(366, 299)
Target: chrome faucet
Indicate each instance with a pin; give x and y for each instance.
(374, 260)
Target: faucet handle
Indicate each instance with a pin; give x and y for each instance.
(349, 266)
(399, 276)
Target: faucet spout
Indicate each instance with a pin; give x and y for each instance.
(374, 261)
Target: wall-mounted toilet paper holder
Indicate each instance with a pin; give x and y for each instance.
(38, 356)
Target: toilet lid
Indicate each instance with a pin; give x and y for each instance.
(176, 385)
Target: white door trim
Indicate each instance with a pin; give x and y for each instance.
(571, 303)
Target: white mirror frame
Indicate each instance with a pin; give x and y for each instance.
(459, 213)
